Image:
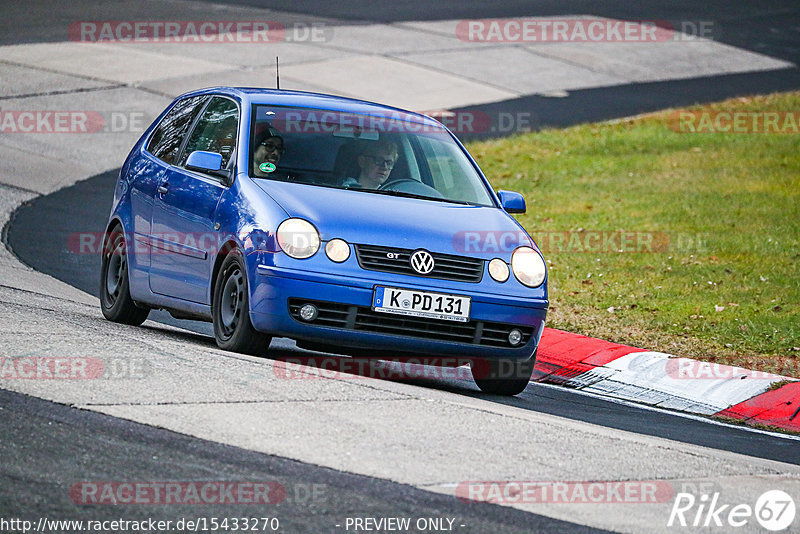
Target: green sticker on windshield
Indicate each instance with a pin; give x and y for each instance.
(267, 167)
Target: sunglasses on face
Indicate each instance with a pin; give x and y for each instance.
(272, 147)
(380, 161)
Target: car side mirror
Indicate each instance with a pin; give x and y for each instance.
(207, 163)
(511, 201)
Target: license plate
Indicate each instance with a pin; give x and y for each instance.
(421, 304)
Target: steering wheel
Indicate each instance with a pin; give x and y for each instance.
(390, 184)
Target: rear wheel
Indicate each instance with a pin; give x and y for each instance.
(233, 329)
(115, 296)
(503, 377)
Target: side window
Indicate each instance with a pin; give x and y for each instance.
(167, 139)
(215, 131)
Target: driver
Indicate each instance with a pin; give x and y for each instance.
(375, 162)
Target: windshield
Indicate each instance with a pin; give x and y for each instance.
(392, 154)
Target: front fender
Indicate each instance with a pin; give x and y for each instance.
(248, 220)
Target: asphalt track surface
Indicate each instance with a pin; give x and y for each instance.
(47, 448)
(44, 233)
(766, 27)
(771, 28)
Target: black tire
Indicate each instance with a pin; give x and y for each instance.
(233, 329)
(503, 377)
(115, 296)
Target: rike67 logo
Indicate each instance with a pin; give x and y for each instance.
(774, 510)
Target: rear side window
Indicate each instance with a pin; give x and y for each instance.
(215, 131)
(168, 137)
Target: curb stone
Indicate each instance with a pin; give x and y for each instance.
(666, 381)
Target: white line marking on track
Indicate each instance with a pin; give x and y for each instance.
(678, 414)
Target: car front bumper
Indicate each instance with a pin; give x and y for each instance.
(346, 319)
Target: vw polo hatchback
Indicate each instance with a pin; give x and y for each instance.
(342, 224)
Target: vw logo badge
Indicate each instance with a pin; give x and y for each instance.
(422, 261)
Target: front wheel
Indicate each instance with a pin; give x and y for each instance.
(503, 377)
(115, 296)
(233, 329)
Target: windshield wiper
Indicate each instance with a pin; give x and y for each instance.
(411, 195)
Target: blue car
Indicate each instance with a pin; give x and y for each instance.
(331, 221)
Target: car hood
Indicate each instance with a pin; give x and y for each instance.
(368, 218)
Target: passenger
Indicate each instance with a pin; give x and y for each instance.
(268, 150)
(375, 162)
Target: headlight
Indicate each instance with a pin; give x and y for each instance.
(528, 266)
(337, 250)
(498, 270)
(298, 238)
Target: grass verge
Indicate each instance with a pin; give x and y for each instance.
(708, 225)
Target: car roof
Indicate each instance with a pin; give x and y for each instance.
(283, 97)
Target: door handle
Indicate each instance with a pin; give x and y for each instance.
(162, 189)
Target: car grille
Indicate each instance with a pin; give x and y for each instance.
(364, 319)
(446, 267)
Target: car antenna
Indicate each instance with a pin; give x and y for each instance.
(277, 74)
